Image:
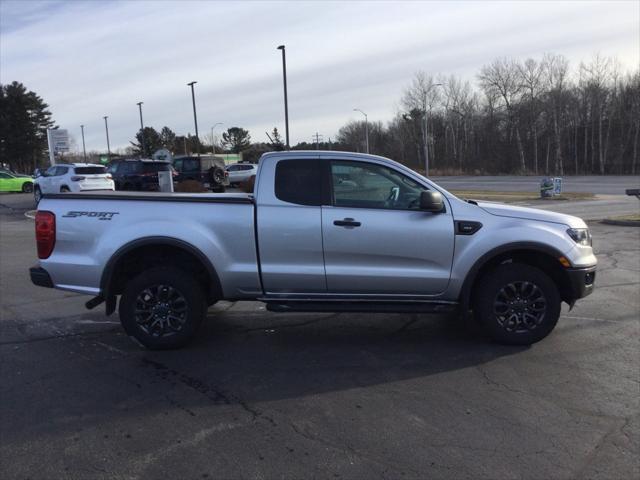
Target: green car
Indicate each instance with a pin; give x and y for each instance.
(12, 183)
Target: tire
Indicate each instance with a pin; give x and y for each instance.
(37, 195)
(64, 190)
(517, 304)
(174, 315)
(27, 187)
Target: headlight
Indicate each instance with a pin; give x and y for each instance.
(581, 236)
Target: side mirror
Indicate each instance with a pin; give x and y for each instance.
(431, 201)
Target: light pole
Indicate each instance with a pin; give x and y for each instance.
(106, 126)
(195, 117)
(144, 145)
(286, 105)
(366, 126)
(213, 146)
(84, 150)
(426, 142)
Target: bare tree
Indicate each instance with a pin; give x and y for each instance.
(501, 79)
(531, 79)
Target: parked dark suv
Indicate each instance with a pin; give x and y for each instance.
(206, 169)
(138, 174)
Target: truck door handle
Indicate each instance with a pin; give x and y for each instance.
(347, 222)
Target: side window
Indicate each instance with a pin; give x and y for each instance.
(60, 171)
(51, 171)
(191, 165)
(177, 164)
(112, 168)
(4, 175)
(299, 181)
(369, 185)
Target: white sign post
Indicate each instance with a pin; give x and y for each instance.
(165, 181)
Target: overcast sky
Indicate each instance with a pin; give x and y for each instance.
(95, 58)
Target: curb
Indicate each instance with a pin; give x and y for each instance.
(621, 223)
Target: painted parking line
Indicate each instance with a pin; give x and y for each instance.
(30, 214)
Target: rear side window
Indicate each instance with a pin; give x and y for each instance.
(299, 181)
(90, 170)
(155, 167)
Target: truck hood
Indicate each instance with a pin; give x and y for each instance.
(502, 210)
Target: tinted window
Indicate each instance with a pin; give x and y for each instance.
(191, 165)
(90, 170)
(51, 171)
(299, 181)
(156, 167)
(61, 171)
(177, 164)
(4, 175)
(233, 168)
(369, 185)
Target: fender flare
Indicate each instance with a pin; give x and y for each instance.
(472, 274)
(107, 273)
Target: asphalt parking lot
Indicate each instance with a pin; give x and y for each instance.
(266, 395)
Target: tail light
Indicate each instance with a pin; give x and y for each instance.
(77, 179)
(226, 174)
(45, 233)
(108, 176)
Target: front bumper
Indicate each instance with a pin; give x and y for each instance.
(40, 277)
(581, 281)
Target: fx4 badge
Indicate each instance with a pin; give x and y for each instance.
(98, 215)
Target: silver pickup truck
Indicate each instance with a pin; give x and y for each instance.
(323, 231)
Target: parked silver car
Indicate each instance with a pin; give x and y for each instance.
(241, 172)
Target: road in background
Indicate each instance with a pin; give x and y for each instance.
(608, 185)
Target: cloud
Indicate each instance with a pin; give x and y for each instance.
(89, 59)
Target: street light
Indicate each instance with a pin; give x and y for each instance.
(106, 126)
(286, 105)
(426, 144)
(144, 146)
(213, 147)
(366, 126)
(195, 117)
(84, 150)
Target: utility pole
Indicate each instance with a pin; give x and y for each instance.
(195, 117)
(286, 105)
(213, 143)
(84, 150)
(106, 126)
(317, 137)
(144, 146)
(366, 126)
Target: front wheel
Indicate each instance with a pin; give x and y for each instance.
(517, 304)
(162, 308)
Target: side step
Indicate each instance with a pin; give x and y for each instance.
(361, 307)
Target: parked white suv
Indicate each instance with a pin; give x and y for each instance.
(72, 177)
(241, 172)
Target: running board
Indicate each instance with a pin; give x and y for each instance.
(360, 307)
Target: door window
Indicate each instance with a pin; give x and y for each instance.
(4, 175)
(177, 164)
(369, 185)
(299, 181)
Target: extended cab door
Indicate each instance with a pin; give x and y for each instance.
(289, 226)
(377, 240)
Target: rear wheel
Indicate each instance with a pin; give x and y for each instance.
(37, 195)
(27, 187)
(162, 308)
(517, 304)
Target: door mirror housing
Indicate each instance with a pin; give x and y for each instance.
(431, 201)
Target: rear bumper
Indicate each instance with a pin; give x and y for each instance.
(40, 277)
(581, 281)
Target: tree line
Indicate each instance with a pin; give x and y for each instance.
(532, 116)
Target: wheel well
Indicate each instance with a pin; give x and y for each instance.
(546, 262)
(148, 255)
